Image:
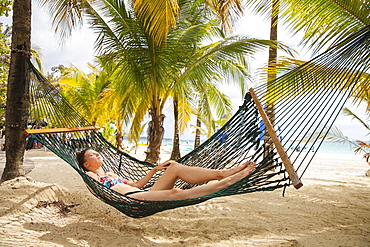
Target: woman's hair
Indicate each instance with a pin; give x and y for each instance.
(80, 156)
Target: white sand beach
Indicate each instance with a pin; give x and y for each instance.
(54, 208)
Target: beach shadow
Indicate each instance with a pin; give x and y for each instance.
(80, 234)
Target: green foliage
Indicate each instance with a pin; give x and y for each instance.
(5, 7)
(325, 23)
(187, 64)
(4, 68)
(108, 133)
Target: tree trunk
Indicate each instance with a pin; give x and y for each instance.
(197, 134)
(119, 135)
(119, 140)
(272, 59)
(17, 90)
(175, 154)
(155, 136)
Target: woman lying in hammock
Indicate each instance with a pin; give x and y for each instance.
(91, 161)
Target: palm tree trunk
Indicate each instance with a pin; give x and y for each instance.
(197, 133)
(119, 135)
(155, 136)
(175, 154)
(119, 140)
(270, 106)
(17, 91)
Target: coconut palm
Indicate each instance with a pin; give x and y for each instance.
(18, 79)
(91, 95)
(149, 74)
(86, 92)
(68, 14)
(323, 23)
(336, 135)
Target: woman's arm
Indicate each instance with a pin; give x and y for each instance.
(144, 180)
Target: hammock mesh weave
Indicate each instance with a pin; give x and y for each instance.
(304, 103)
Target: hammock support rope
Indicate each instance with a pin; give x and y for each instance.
(304, 102)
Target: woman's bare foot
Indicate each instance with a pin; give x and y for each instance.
(231, 171)
(250, 167)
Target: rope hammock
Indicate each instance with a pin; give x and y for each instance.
(275, 118)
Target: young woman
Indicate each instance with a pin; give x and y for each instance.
(163, 189)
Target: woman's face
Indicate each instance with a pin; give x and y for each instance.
(92, 159)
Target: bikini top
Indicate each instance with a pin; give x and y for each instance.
(109, 181)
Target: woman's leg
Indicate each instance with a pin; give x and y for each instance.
(178, 194)
(192, 175)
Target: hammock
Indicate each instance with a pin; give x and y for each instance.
(304, 104)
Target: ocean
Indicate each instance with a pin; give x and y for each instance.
(188, 145)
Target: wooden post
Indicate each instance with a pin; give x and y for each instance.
(275, 139)
(58, 130)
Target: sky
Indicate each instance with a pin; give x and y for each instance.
(79, 51)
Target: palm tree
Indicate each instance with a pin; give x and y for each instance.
(149, 73)
(323, 23)
(204, 114)
(86, 92)
(69, 15)
(160, 16)
(16, 102)
(336, 135)
(93, 96)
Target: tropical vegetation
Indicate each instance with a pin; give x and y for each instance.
(4, 68)
(318, 20)
(152, 72)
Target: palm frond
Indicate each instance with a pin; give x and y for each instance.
(350, 113)
(337, 136)
(325, 23)
(158, 17)
(66, 16)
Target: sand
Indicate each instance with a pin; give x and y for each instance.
(52, 207)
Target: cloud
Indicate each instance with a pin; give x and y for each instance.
(78, 50)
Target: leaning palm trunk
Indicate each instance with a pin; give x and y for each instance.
(17, 91)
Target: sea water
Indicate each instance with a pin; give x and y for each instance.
(333, 147)
(188, 145)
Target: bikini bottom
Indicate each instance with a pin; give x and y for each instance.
(134, 192)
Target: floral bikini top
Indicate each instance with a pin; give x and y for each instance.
(109, 181)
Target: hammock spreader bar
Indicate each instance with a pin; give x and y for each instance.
(275, 139)
(58, 130)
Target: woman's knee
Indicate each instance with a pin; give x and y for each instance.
(174, 166)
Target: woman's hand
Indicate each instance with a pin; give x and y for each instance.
(164, 165)
(139, 184)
